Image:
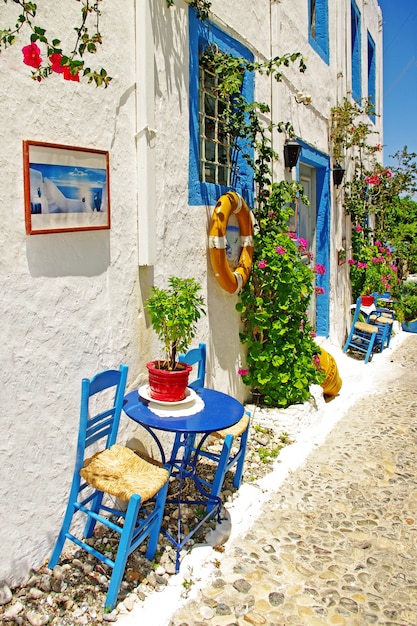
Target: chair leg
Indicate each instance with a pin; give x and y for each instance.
(348, 340)
(370, 347)
(158, 513)
(221, 470)
(237, 480)
(69, 514)
(123, 551)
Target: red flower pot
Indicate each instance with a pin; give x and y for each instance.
(168, 385)
(367, 300)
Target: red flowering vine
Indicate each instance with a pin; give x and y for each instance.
(54, 60)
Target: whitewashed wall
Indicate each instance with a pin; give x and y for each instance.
(73, 302)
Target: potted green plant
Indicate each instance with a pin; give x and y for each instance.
(408, 307)
(174, 313)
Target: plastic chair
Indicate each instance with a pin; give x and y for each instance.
(114, 472)
(362, 335)
(238, 433)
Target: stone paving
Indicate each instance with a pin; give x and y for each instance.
(337, 542)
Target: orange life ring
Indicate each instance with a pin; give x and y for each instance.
(231, 281)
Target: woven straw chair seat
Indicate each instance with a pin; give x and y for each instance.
(381, 319)
(366, 328)
(236, 430)
(121, 473)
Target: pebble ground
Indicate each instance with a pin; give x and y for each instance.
(337, 543)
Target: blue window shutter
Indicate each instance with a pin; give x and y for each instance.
(356, 51)
(318, 34)
(371, 73)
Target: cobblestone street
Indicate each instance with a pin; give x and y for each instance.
(336, 543)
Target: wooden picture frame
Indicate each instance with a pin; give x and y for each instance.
(66, 188)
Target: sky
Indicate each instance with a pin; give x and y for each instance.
(400, 76)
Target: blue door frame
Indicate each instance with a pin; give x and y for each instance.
(321, 162)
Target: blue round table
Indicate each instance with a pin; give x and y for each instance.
(220, 411)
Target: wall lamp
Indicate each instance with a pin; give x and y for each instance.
(338, 173)
(292, 151)
(302, 98)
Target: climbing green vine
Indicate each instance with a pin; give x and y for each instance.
(378, 199)
(282, 359)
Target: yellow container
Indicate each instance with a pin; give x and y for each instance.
(332, 383)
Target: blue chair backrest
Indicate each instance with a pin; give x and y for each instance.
(193, 357)
(105, 422)
(377, 295)
(357, 310)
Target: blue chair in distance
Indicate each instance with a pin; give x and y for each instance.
(112, 472)
(384, 320)
(362, 335)
(237, 434)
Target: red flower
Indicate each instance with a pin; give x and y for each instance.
(55, 60)
(69, 76)
(32, 55)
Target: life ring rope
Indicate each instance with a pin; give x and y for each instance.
(228, 204)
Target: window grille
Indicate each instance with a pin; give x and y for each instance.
(216, 145)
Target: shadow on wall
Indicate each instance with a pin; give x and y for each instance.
(84, 253)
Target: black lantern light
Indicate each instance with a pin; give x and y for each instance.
(338, 173)
(292, 151)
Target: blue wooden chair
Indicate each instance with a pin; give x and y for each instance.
(237, 434)
(113, 471)
(384, 319)
(362, 335)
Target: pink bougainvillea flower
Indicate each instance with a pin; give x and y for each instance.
(358, 228)
(69, 76)
(319, 291)
(280, 250)
(388, 173)
(55, 60)
(351, 262)
(32, 55)
(320, 269)
(303, 242)
(242, 371)
(292, 235)
(313, 334)
(362, 265)
(372, 180)
(316, 360)
(310, 255)
(378, 243)
(262, 264)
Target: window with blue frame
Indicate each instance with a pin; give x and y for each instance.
(372, 74)
(355, 27)
(318, 27)
(215, 166)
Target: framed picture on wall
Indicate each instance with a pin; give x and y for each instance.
(66, 188)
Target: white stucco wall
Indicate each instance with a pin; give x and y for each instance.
(69, 301)
(73, 302)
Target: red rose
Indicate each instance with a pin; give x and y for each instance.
(55, 60)
(32, 55)
(69, 76)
